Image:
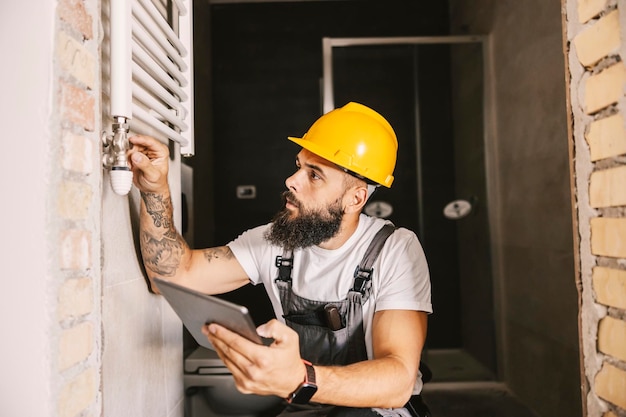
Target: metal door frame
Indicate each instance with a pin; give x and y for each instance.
(490, 146)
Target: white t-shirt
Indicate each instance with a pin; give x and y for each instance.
(400, 280)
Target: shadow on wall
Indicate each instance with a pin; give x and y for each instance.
(134, 205)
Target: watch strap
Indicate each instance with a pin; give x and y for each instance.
(307, 388)
(310, 372)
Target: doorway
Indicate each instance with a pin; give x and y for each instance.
(432, 91)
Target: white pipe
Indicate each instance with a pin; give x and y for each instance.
(152, 66)
(141, 75)
(149, 7)
(121, 93)
(153, 122)
(182, 10)
(156, 56)
(142, 18)
(159, 76)
(154, 104)
(186, 33)
(121, 59)
(327, 77)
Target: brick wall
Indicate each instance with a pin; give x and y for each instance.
(595, 51)
(75, 213)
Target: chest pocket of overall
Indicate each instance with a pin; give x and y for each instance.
(331, 332)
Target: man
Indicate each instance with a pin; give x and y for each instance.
(344, 341)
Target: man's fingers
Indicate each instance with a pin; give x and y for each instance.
(142, 163)
(225, 336)
(146, 141)
(150, 147)
(276, 330)
(139, 159)
(149, 159)
(233, 349)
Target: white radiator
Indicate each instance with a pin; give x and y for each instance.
(150, 71)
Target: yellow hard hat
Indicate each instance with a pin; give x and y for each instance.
(356, 138)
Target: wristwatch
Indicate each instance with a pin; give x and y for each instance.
(307, 388)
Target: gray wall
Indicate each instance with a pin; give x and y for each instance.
(535, 287)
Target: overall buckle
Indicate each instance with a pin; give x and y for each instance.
(284, 266)
(361, 278)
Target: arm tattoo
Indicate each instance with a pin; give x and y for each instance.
(223, 252)
(161, 256)
(161, 247)
(159, 208)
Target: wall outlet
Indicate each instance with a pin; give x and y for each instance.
(246, 191)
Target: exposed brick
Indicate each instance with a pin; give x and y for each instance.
(76, 298)
(607, 137)
(612, 337)
(610, 384)
(74, 13)
(76, 59)
(605, 88)
(607, 187)
(75, 250)
(75, 345)
(74, 200)
(599, 40)
(77, 153)
(609, 286)
(608, 237)
(78, 394)
(78, 106)
(588, 9)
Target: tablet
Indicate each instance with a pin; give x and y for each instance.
(196, 309)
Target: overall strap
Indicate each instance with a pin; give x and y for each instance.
(363, 272)
(283, 281)
(285, 265)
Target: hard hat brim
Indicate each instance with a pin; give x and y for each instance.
(323, 153)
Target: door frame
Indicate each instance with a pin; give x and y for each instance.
(489, 142)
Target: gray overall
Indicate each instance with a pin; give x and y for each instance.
(331, 332)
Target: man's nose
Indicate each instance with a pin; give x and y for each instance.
(292, 182)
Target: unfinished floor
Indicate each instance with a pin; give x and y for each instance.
(462, 387)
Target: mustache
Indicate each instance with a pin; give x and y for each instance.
(291, 199)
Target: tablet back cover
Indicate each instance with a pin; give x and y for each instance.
(196, 309)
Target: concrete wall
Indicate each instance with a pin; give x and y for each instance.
(536, 299)
(81, 334)
(595, 54)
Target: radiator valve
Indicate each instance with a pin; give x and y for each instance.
(114, 149)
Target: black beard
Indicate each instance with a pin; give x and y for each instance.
(309, 228)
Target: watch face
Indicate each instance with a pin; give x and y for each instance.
(304, 393)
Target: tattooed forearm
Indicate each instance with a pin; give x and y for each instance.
(160, 209)
(162, 256)
(162, 247)
(223, 252)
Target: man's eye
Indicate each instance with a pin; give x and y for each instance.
(314, 175)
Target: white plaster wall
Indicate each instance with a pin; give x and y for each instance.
(142, 359)
(142, 342)
(142, 349)
(25, 312)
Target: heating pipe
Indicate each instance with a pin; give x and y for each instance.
(121, 94)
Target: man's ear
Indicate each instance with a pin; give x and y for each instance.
(358, 198)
